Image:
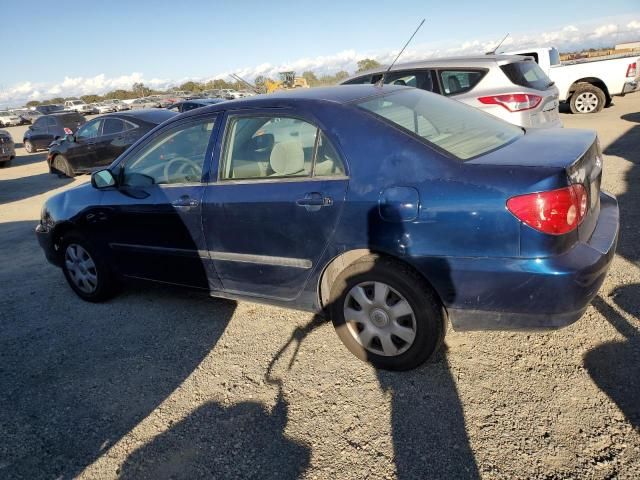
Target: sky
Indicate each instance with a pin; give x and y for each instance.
(74, 48)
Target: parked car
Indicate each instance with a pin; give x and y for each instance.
(9, 119)
(390, 208)
(118, 105)
(30, 116)
(47, 109)
(140, 103)
(229, 94)
(588, 85)
(102, 108)
(78, 106)
(181, 107)
(100, 141)
(7, 149)
(48, 128)
(509, 87)
(23, 114)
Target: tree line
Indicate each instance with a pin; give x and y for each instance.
(140, 90)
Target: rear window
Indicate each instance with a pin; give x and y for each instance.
(72, 120)
(458, 129)
(526, 74)
(459, 81)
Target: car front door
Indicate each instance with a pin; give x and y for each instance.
(81, 154)
(110, 144)
(152, 220)
(38, 133)
(272, 211)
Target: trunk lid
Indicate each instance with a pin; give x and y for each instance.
(576, 152)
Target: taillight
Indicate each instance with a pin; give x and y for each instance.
(514, 102)
(555, 212)
(632, 70)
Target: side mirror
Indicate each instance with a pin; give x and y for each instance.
(103, 179)
(30, 127)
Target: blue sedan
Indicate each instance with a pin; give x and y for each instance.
(391, 209)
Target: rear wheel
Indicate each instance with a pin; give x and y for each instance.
(6, 163)
(386, 314)
(587, 98)
(29, 147)
(87, 273)
(61, 165)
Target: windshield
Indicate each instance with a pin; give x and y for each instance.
(458, 129)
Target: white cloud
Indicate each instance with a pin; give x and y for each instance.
(570, 37)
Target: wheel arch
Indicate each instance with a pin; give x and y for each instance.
(342, 261)
(595, 81)
(58, 233)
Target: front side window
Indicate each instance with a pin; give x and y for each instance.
(276, 147)
(175, 156)
(459, 81)
(458, 129)
(90, 130)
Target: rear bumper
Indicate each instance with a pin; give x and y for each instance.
(630, 87)
(527, 293)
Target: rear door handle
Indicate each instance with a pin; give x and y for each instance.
(185, 201)
(313, 201)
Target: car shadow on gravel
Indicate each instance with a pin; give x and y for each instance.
(243, 440)
(16, 189)
(75, 378)
(615, 366)
(29, 158)
(627, 146)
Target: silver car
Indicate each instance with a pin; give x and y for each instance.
(9, 119)
(511, 87)
(140, 103)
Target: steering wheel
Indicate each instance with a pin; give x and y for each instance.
(187, 168)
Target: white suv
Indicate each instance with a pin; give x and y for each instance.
(510, 87)
(78, 106)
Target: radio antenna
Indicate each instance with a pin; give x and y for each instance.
(493, 52)
(380, 82)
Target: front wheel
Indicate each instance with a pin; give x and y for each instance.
(587, 98)
(386, 314)
(86, 271)
(29, 147)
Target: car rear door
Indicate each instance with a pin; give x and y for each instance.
(274, 204)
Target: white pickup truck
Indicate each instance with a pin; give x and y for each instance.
(78, 106)
(588, 85)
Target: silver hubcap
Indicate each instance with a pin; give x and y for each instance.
(81, 268)
(586, 102)
(380, 319)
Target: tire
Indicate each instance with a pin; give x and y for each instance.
(383, 314)
(86, 270)
(6, 163)
(60, 164)
(587, 98)
(30, 147)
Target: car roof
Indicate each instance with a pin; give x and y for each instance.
(338, 95)
(149, 115)
(60, 114)
(478, 61)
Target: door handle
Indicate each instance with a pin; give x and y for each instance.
(313, 201)
(185, 201)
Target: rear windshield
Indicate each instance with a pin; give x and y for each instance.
(527, 74)
(71, 120)
(458, 129)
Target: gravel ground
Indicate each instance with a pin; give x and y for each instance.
(164, 383)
